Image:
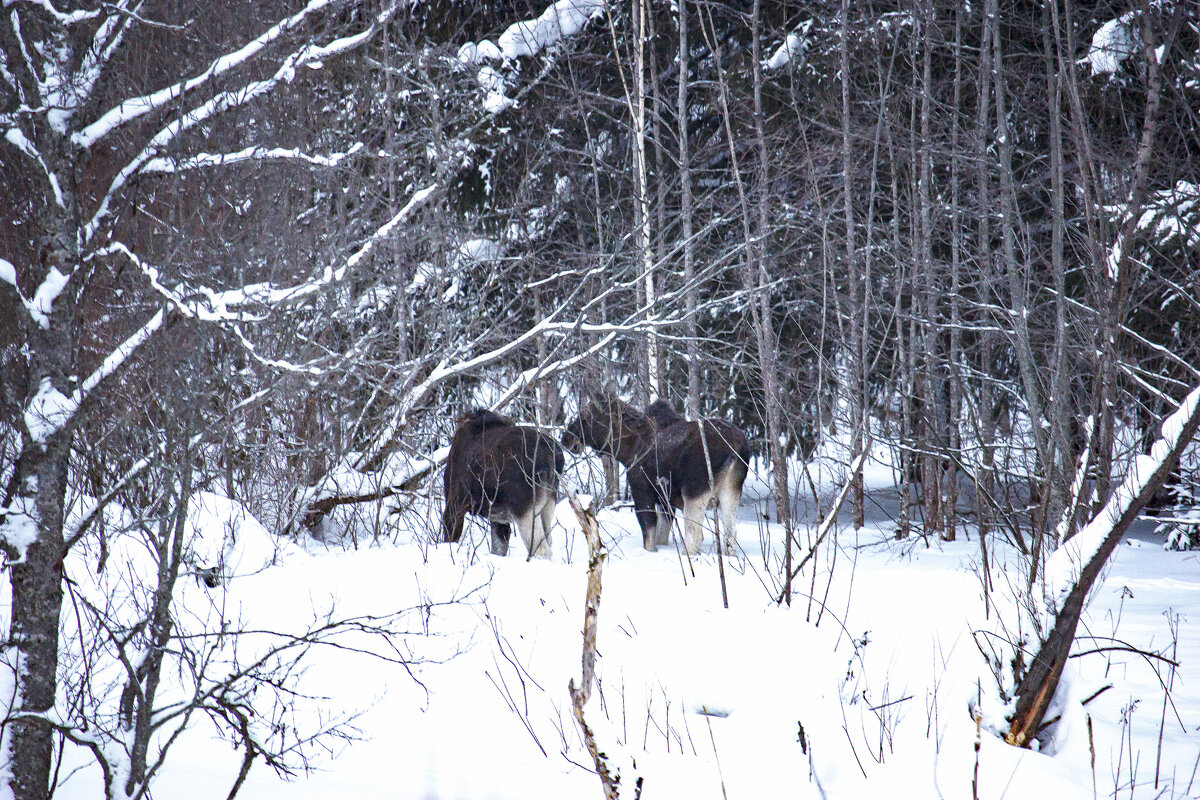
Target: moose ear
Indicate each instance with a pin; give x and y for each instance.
(609, 392)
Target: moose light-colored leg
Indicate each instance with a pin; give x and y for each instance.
(662, 530)
(694, 510)
(727, 511)
(729, 495)
(547, 502)
(524, 523)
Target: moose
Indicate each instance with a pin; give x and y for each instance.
(671, 462)
(507, 474)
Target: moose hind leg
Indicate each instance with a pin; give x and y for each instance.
(500, 535)
(729, 495)
(694, 510)
(525, 522)
(545, 521)
(662, 528)
(648, 520)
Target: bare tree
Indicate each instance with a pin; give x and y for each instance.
(90, 131)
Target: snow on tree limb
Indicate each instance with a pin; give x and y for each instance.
(105, 42)
(447, 369)
(50, 410)
(419, 198)
(128, 110)
(529, 37)
(17, 138)
(792, 49)
(202, 160)
(48, 290)
(61, 17)
(228, 99)
(8, 275)
(1065, 565)
(1112, 43)
(1074, 569)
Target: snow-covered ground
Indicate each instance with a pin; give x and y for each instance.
(863, 688)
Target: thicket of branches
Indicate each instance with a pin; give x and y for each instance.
(277, 247)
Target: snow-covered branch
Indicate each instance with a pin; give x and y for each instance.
(792, 49)
(105, 42)
(529, 37)
(199, 303)
(419, 198)
(202, 160)
(8, 275)
(444, 372)
(226, 100)
(50, 410)
(62, 17)
(136, 107)
(1063, 568)
(17, 138)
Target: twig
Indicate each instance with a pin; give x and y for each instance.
(978, 739)
(1085, 702)
(827, 524)
(1092, 753)
(716, 755)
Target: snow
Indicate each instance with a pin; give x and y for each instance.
(495, 102)
(480, 250)
(1065, 564)
(1112, 43)
(474, 53)
(48, 411)
(494, 85)
(1168, 211)
(528, 37)
(793, 47)
(133, 108)
(224, 537)
(253, 153)
(8, 273)
(17, 138)
(20, 528)
(560, 20)
(875, 663)
(42, 304)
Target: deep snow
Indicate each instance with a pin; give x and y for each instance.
(875, 666)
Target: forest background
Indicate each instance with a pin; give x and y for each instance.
(273, 249)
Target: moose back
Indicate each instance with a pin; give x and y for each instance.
(506, 473)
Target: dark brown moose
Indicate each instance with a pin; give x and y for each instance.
(505, 473)
(671, 462)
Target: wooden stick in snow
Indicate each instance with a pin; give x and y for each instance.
(609, 772)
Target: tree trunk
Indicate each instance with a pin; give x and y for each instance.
(856, 391)
(642, 199)
(691, 291)
(1037, 687)
(768, 355)
(36, 584)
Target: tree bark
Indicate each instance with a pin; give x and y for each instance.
(1037, 687)
(36, 584)
(691, 291)
(759, 280)
(857, 388)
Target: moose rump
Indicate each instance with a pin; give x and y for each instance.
(505, 473)
(693, 464)
(671, 462)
